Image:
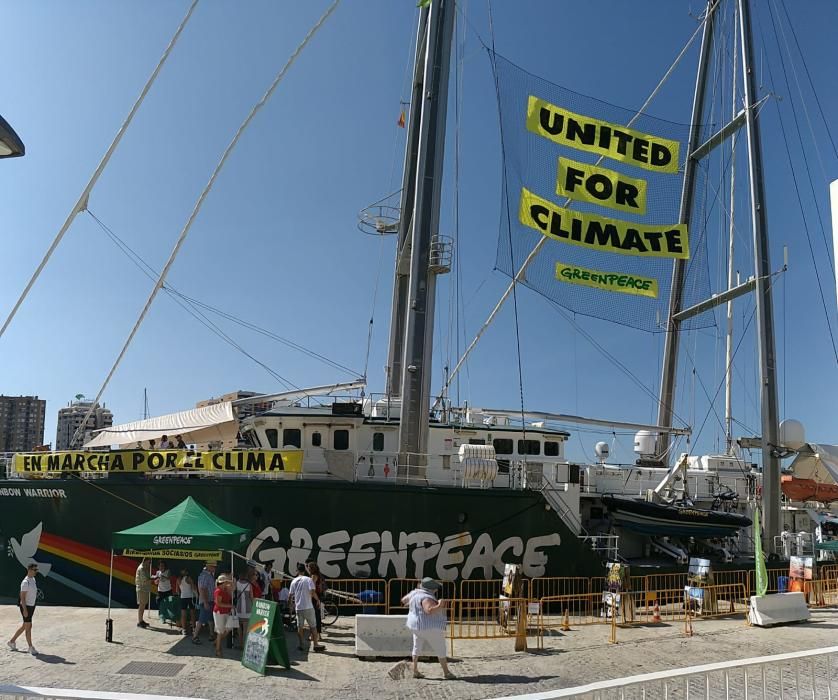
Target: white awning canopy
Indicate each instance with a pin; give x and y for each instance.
(197, 425)
(817, 462)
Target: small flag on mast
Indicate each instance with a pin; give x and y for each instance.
(401, 119)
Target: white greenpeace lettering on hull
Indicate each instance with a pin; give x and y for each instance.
(403, 555)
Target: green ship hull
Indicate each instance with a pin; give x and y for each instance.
(352, 530)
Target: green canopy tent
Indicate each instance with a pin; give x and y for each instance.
(188, 527)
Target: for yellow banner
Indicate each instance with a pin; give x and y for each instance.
(166, 554)
(603, 138)
(140, 461)
(601, 233)
(609, 281)
(608, 188)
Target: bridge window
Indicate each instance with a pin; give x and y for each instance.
(273, 437)
(551, 449)
(292, 437)
(378, 442)
(340, 440)
(476, 441)
(529, 447)
(316, 439)
(503, 446)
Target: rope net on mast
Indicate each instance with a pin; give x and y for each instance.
(619, 275)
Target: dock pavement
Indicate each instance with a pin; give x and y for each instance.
(74, 654)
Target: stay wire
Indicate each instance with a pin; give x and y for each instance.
(800, 201)
(809, 76)
(199, 205)
(149, 271)
(798, 131)
(508, 227)
(197, 315)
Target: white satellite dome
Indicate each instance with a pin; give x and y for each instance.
(645, 443)
(792, 434)
(602, 451)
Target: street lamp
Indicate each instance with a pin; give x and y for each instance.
(10, 144)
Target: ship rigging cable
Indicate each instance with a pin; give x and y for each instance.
(522, 270)
(200, 201)
(185, 302)
(81, 204)
(797, 187)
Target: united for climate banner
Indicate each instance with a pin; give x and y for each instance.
(610, 281)
(166, 554)
(600, 232)
(596, 188)
(142, 461)
(613, 141)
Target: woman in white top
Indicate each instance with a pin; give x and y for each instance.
(244, 604)
(163, 577)
(188, 593)
(426, 620)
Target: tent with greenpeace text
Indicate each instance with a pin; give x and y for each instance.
(187, 526)
(187, 531)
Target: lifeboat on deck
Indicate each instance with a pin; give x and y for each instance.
(808, 490)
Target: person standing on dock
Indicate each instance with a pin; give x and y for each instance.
(28, 601)
(142, 582)
(301, 592)
(426, 620)
(206, 587)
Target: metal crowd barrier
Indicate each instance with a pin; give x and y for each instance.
(398, 588)
(368, 595)
(493, 618)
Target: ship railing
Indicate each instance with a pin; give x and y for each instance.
(8, 462)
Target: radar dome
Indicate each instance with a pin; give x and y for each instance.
(645, 443)
(792, 433)
(602, 451)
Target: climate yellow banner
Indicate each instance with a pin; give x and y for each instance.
(603, 138)
(608, 281)
(608, 188)
(601, 233)
(140, 461)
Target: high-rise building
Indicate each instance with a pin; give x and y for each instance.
(21, 423)
(70, 419)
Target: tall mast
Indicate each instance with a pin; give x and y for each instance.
(419, 327)
(731, 270)
(670, 350)
(764, 304)
(402, 273)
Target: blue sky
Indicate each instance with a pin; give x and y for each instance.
(277, 244)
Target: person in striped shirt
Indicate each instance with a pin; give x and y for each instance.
(426, 620)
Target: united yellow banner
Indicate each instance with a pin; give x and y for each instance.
(613, 141)
(166, 554)
(140, 461)
(608, 188)
(609, 281)
(600, 232)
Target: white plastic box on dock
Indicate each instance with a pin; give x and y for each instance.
(382, 635)
(778, 609)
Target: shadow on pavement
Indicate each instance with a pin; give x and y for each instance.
(503, 678)
(53, 659)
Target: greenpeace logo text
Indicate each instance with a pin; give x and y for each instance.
(172, 539)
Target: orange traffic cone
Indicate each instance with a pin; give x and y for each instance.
(656, 613)
(565, 622)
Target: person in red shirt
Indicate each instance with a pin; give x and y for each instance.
(256, 585)
(222, 605)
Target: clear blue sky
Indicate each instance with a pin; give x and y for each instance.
(277, 243)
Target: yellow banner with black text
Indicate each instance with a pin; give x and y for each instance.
(144, 461)
(177, 554)
(600, 232)
(608, 281)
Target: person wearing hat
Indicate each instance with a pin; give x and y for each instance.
(426, 620)
(222, 605)
(206, 587)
